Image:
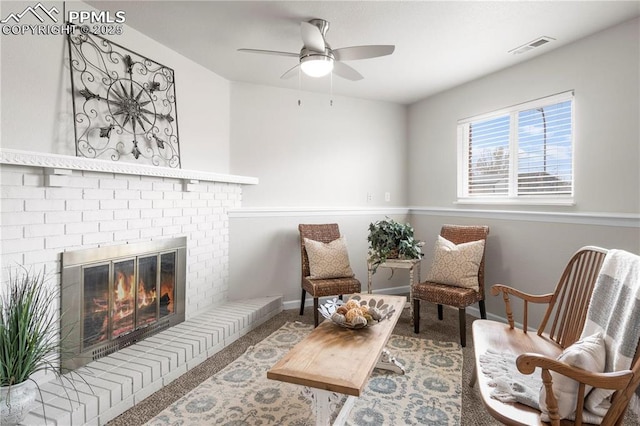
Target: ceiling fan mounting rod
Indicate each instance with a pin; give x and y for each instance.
(322, 25)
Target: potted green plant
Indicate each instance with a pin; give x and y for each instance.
(30, 341)
(389, 239)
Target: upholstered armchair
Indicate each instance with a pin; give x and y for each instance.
(329, 272)
(456, 276)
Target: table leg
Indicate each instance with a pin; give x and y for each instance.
(411, 282)
(324, 403)
(342, 416)
(389, 362)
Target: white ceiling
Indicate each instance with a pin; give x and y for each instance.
(439, 44)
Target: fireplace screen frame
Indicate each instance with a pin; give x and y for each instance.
(74, 263)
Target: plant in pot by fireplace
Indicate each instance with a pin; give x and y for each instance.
(30, 341)
(389, 239)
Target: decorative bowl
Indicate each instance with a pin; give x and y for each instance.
(376, 309)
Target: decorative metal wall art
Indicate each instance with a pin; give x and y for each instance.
(124, 105)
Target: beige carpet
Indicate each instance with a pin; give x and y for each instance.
(429, 392)
(473, 412)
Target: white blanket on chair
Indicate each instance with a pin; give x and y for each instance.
(615, 310)
(508, 383)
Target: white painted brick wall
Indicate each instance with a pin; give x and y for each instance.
(38, 223)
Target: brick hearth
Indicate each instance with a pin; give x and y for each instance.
(123, 379)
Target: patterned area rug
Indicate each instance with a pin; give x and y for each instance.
(240, 394)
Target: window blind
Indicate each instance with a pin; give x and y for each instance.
(522, 151)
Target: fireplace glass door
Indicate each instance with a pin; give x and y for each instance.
(167, 283)
(96, 305)
(146, 294)
(127, 295)
(114, 296)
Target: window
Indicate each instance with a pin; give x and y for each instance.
(521, 153)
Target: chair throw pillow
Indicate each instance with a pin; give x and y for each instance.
(456, 265)
(328, 260)
(587, 353)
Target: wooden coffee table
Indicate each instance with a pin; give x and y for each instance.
(334, 360)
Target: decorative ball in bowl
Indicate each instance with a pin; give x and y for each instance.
(356, 313)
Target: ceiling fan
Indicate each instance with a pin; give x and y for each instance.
(317, 58)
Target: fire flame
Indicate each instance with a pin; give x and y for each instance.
(145, 298)
(166, 290)
(129, 299)
(123, 297)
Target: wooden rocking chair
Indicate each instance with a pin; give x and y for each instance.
(565, 315)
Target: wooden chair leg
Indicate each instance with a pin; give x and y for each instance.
(474, 376)
(440, 316)
(304, 295)
(416, 316)
(315, 311)
(463, 327)
(483, 310)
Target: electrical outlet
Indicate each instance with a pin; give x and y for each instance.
(369, 196)
(387, 196)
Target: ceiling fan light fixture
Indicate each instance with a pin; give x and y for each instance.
(316, 65)
(318, 59)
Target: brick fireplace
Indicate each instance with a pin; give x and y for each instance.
(52, 205)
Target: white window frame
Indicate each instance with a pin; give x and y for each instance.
(512, 198)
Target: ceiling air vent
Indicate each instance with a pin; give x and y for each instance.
(531, 45)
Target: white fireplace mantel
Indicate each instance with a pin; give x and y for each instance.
(66, 162)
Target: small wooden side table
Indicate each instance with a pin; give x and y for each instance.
(413, 265)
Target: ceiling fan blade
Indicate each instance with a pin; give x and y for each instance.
(363, 52)
(345, 71)
(312, 37)
(270, 52)
(290, 73)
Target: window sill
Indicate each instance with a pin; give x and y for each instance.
(518, 201)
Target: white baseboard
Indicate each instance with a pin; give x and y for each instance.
(295, 304)
(475, 312)
(472, 310)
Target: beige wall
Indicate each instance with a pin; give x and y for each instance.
(37, 112)
(528, 252)
(603, 69)
(528, 246)
(264, 252)
(318, 162)
(317, 154)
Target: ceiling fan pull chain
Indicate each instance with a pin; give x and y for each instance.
(331, 89)
(299, 87)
